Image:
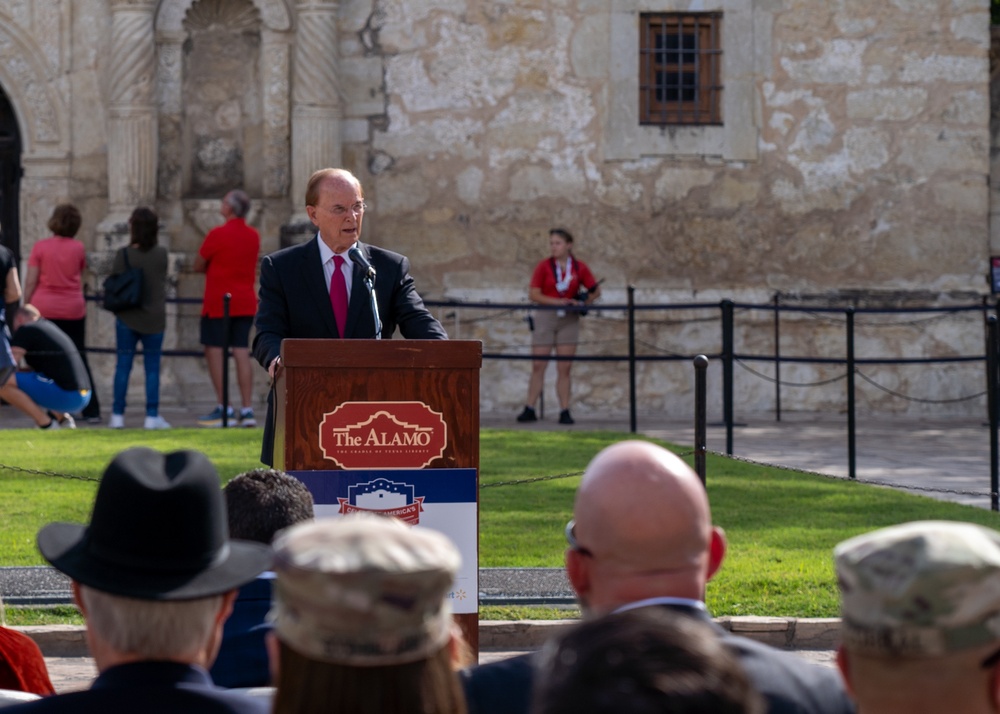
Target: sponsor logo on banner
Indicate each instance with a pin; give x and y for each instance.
(386, 498)
(383, 435)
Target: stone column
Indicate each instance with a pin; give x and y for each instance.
(316, 104)
(132, 130)
(274, 74)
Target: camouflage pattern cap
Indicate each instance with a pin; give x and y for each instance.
(921, 589)
(363, 590)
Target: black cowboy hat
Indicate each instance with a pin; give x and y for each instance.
(158, 532)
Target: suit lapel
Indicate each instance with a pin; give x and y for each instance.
(315, 282)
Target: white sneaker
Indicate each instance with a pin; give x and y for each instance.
(117, 421)
(155, 422)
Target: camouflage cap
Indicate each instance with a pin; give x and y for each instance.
(921, 589)
(363, 590)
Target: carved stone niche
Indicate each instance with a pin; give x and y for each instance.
(222, 118)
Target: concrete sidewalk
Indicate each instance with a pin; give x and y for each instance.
(942, 458)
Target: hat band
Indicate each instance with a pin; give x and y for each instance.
(157, 563)
(906, 640)
(309, 637)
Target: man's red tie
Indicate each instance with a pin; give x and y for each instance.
(338, 294)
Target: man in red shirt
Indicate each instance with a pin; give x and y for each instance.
(228, 257)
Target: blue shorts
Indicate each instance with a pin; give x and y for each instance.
(48, 395)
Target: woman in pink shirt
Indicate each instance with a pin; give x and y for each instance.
(53, 285)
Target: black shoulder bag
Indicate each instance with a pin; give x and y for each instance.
(123, 291)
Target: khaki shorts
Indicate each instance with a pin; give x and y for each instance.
(551, 329)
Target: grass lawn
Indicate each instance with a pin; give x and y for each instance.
(781, 525)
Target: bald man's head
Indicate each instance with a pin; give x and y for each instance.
(644, 528)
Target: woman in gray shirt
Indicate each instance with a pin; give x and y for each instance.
(145, 323)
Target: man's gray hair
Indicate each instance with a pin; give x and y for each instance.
(239, 201)
(150, 629)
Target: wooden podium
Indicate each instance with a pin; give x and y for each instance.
(438, 380)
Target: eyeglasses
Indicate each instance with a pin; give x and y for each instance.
(358, 208)
(571, 539)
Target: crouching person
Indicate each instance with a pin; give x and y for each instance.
(57, 383)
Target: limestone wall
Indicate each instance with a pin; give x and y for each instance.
(854, 156)
(869, 170)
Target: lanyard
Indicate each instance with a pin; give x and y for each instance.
(563, 280)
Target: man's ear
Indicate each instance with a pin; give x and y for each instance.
(77, 600)
(578, 572)
(273, 655)
(844, 665)
(716, 551)
(228, 603)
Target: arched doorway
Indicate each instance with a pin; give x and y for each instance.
(10, 177)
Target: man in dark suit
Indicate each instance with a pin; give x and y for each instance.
(642, 536)
(318, 290)
(155, 576)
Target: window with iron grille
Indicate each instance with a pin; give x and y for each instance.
(680, 60)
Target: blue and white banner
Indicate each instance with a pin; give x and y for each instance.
(441, 499)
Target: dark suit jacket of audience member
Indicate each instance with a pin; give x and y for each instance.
(295, 302)
(150, 688)
(242, 660)
(790, 684)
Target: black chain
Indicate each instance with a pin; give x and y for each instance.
(917, 399)
(36, 472)
(783, 383)
(754, 462)
(535, 479)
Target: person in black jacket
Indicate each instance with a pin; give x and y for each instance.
(642, 537)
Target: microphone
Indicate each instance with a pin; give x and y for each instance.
(358, 257)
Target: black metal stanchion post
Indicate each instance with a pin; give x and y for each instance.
(851, 425)
(727, 372)
(225, 359)
(633, 425)
(992, 395)
(777, 356)
(700, 431)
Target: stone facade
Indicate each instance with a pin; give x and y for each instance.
(853, 160)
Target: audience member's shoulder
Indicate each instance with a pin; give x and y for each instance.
(790, 683)
(189, 700)
(10, 697)
(500, 687)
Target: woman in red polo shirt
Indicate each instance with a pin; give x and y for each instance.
(557, 281)
(54, 285)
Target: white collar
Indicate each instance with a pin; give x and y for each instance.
(649, 602)
(325, 253)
